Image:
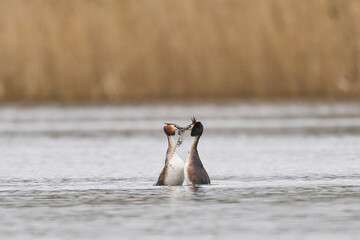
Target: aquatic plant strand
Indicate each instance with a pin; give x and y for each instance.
(179, 141)
(180, 138)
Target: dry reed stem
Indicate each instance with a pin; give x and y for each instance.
(129, 50)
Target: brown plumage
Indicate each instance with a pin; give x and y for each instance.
(195, 171)
(163, 174)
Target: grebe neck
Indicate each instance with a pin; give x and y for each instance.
(194, 144)
(171, 148)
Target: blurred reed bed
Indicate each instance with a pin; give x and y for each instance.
(141, 50)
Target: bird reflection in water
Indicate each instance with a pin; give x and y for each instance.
(185, 193)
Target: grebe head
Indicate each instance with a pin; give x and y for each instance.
(196, 127)
(170, 129)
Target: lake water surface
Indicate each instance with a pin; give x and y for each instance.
(278, 171)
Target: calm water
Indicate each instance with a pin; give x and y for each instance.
(279, 171)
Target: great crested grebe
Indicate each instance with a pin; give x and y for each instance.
(195, 172)
(173, 171)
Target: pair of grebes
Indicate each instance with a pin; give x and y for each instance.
(175, 171)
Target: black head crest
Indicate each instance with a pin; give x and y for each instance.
(193, 119)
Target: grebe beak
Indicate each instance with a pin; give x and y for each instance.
(189, 127)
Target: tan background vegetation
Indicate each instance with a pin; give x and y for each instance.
(140, 50)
